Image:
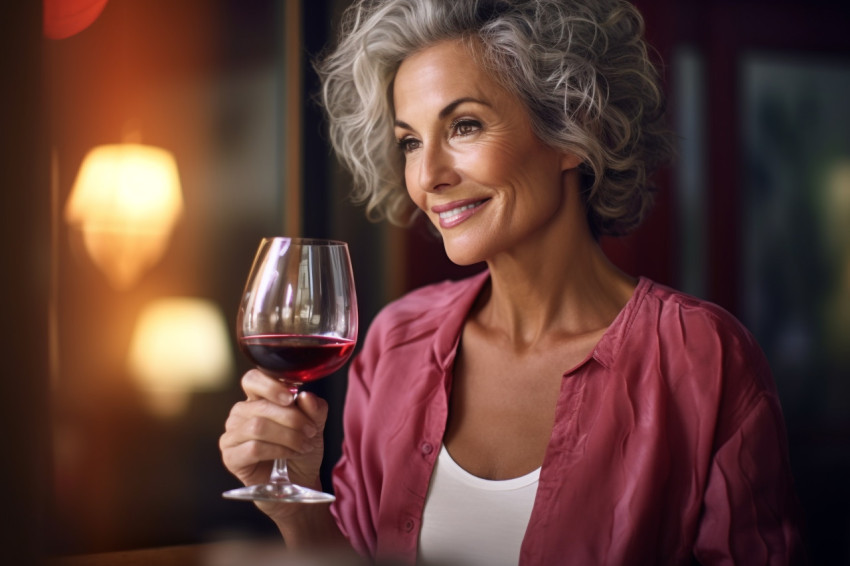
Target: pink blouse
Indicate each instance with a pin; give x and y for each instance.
(668, 445)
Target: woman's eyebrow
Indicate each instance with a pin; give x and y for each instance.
(448, 109)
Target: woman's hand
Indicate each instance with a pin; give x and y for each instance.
(271, 424)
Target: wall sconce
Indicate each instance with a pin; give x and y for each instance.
(125, 200)
(179, 346)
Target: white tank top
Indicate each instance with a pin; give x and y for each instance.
(472, 521)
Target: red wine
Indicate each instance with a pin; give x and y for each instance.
(297, 358)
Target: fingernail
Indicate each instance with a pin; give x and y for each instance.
(310, 431)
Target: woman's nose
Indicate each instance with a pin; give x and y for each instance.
(437, 168)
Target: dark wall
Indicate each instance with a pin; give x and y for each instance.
(25, 265)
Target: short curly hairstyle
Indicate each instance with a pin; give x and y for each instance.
(581, 67)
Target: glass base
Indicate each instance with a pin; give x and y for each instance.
(279, 493)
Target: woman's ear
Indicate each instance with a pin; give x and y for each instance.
(570, 161)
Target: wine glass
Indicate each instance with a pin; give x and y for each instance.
(297, 322)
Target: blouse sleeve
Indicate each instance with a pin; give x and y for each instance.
(750, 513)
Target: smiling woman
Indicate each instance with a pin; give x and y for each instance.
(614, 420)
(581, 79)
(470, 153)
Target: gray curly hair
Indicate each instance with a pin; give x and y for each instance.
(581, 67)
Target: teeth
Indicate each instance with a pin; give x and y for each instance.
(456, 211)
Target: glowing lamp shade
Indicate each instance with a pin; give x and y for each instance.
(125, 200)
(180, 346)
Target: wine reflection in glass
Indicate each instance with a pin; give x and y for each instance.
(297, 322)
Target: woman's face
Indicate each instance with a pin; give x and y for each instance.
(472, 162)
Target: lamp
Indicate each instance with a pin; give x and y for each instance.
(180, 345)
(125, 200)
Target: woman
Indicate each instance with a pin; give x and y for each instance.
(553, 409)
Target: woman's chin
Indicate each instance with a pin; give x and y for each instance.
(462, 255)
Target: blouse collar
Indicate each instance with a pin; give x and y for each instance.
(447, 336)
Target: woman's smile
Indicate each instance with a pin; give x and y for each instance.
(456, 212)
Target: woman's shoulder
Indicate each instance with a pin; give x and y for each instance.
(438, 295)
(690, 333)
(671, 307)
(428, 307)
(686, 331)
(706, 352)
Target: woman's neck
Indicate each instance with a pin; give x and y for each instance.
(552, 292)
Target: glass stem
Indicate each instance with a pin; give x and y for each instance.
(280, 475)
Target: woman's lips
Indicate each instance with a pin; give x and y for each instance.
(454, 213)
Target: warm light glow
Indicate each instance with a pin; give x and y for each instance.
(64, 18)
(179, 346)
(126, 200)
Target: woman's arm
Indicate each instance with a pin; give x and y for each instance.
(750, 514)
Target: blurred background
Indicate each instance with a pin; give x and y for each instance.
(110, 425)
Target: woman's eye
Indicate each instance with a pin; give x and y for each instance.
(408, 144)
(465, 126)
